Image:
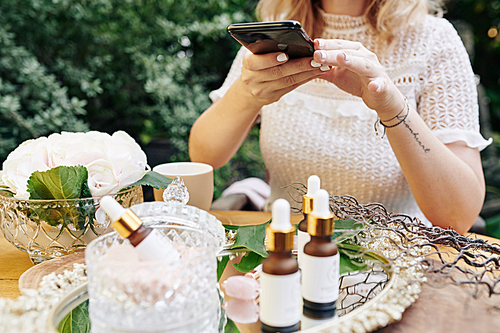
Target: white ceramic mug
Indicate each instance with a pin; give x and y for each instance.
(198, 178)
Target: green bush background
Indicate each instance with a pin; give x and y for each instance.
(147, 66)
(143, 66)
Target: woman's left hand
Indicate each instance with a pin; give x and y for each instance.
(358, 71)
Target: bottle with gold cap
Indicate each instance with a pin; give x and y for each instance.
(149, 243)
(280, 300)
(313, 185)
(320, 263)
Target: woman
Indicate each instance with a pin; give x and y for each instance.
(392, 65)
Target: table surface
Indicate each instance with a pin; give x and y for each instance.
(447, 309)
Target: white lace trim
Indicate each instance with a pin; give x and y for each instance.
(343, 22)
(219, 93)
(322, 102)
(471, 138)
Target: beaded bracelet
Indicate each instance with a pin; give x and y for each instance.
(398, 117)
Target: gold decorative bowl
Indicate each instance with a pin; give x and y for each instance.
(48, 229)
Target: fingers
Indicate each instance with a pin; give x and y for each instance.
(282, 91)
(270, 63)
(277, 75)
(365, 64)
(268, 76)
(294, 67)
(257, 62)
(337, 44)
(293, 80)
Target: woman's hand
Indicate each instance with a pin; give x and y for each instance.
(358, 71)
(267, 77)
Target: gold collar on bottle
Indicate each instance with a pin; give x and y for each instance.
(307, 204)
(279, 241)
(127, 224)
(320, 226)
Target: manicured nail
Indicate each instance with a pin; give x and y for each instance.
(346, 57)
(321, 43)
(281, 57)
(325, 68)
(322, 55)
(315, 64)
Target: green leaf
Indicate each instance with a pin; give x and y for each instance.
(349, 265)
(248, 262)
(62, 182)
(231, 227)
(355, 258)
(153, 179)
(346, 229)
(77, 321)
(86, 191)
(7, 193)
(221, 266)
(231, 327)
(348, 225)
(252, 237)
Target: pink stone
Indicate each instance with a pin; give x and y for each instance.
(255, 273)
(242, 311)
(121, 252)
(241, 287)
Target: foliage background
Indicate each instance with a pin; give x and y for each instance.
(143, 66)
(147, 66)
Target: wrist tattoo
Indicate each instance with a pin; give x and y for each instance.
(401, 120)
(415, 135)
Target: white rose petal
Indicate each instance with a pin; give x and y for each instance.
(113, 161)
(28, 157)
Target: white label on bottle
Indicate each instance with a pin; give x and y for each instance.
(320, 278)
(157, 247)
(280, 301)
(304, 238)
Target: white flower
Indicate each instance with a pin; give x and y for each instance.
(29, 156)
(113, 162)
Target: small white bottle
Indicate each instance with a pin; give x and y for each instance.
(313, 186)
(320, 263)
(280, 300)
(148, 242)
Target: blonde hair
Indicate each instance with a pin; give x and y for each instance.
(386, 17)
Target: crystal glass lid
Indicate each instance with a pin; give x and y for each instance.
(157, 213)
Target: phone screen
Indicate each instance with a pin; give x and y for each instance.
(279, 36)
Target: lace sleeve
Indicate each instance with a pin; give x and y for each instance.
(448, 96)
(233, 74)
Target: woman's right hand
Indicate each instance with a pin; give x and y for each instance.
(267, 77)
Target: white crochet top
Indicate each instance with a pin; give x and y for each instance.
(319, 129)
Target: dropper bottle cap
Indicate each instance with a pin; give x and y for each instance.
(125, 222)
(280, 232)
(313, 186)
(320, 220)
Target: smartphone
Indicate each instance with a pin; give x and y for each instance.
(277, 36)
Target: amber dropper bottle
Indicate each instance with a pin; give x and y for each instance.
(149, 243)
(313, 185)
(320, 264)
(280, 301)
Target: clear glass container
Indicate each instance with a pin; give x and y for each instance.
(158, 212)
(48, 229)
(155, 296)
